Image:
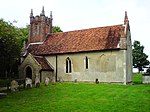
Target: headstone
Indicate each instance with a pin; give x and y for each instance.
(53, 81)
(28, 83)
(37, 82)
(14, 85)
(96, 81)
(60, 80)
(75, 81)
(146, 78)
(46, 81)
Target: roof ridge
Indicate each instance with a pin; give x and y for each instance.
(87, 29)
(99, 38)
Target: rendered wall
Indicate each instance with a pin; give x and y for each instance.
(108, 66)
(129, 60)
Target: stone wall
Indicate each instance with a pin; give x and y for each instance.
(146, 78)
(52, 60)
(29, 62)
(107, 66)
(129, 60)
(45, 74)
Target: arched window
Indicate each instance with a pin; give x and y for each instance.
(86, 62)
(68, 65)
(29, 72)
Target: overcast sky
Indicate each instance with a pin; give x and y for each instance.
(83, 14)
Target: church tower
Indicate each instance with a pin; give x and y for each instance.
(40, 26)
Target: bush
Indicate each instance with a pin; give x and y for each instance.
(4, 83)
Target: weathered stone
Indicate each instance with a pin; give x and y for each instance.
(30, 60)
(37, 82)
(60, 80)
(37, 85)
(46, 81)
(146, 78)
(14, 85)
(53, 80)
(28, 83)
(75, 81)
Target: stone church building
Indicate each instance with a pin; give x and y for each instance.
(103, 53)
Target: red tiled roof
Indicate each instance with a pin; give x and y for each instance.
(42, 61)
(93, 39)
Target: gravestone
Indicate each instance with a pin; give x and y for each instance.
(28, 83)
(53, 80)
(75, 81)
(46, 81)
(96, 81)
(14, 85)
(60, 80)
(37, 82)
(146, 78)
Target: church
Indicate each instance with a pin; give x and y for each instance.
(101, 53)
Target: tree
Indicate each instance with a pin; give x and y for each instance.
(9, 48)
(139, 57)
(56, 29)
(11, 42)
(23, 35)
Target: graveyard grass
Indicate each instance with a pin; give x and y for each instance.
(81, 97)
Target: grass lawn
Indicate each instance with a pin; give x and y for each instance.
(70, 97)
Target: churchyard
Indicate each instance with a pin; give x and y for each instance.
(79, 97)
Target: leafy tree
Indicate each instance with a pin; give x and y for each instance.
(139, 57)
(9, 48)
(23, 35)
(56, 29)
(11, 42)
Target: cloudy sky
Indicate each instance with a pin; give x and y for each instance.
(82, 14)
